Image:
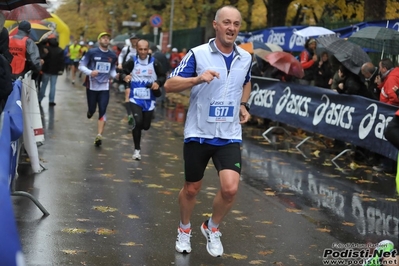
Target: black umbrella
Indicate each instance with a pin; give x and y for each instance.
(12, 4)
(377, 38)
(349, 54)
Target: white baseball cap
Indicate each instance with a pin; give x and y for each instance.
(82, 43)
(91, 43)
(174, 50)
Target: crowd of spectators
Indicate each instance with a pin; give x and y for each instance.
(325, 71)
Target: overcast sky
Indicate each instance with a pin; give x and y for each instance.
(54, 4)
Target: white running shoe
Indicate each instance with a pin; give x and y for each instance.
(213, 244)
(136, 155)
(183, 240)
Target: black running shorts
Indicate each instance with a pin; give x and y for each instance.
(197, 155)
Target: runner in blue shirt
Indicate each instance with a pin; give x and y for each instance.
(99, 65)
(146, 77)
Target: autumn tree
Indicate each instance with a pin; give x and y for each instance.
(276, 12)
(374, 10)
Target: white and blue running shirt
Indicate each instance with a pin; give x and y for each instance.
(143, 75)
(187, 69)
(104, 62)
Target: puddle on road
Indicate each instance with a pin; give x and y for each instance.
(355, 202)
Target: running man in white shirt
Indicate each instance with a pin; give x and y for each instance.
(219, 74)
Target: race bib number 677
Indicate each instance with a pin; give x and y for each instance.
(221, 111)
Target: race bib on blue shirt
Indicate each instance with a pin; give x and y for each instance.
(142, 93)
(221, 111)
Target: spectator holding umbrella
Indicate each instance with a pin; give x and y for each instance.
(370, 73)
(308, 59)
(323, 73)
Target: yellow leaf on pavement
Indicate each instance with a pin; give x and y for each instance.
(257, 262)
(390, 199)
(104, 231)
(154, 186)
(325, 230)
(104, 209)
(238, 256)
(70, 251)
(292, 210)
(270, 193)
(131, 244)
(348, 224)
(133, 216)
(74, 230)
(266, 252)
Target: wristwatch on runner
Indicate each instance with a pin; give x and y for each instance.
(246, 105)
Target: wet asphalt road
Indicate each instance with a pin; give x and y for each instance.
(106, 209)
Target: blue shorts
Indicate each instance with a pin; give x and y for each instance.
(100, 98)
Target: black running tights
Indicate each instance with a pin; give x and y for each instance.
(143, 122)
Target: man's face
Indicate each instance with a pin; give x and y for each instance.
(142, 48)
(227, 26)
(134, 42)
(104, 41)
(312, 46)
(366, 74)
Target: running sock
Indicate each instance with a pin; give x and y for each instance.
(185, 226)
(211, 224)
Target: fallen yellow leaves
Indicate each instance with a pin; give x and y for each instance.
(324, 230)
(207, 214)
(70, 251)
(104, 209)
(74, 230)
(348, 224)
(316, 153)
(154, 186)
(293, 210)
(390, 199)
(164, 175)
(236, 211)
(364, 181)
(266, 222)
(137, 181)
(237, 256)
(131, 244)
(368, 199)
(241, 218)
(104, 231)
(266, 252)
(270, 193)
(260, 236)
(108, 175)
(257, 262)
(132, 216)
(165, 192)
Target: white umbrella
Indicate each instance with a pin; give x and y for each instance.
(274, 47)
(313, 31)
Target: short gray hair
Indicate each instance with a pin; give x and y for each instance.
(228, 6)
